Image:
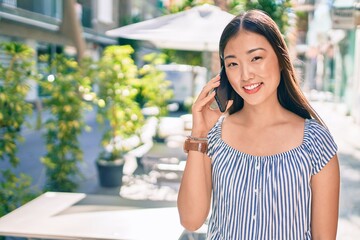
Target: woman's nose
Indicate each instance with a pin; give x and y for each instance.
(246, 74)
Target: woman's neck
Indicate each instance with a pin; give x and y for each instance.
(267, 113)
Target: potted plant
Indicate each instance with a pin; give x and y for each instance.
(66, 86)
(118, 111)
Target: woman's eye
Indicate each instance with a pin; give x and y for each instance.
(256, 58)
(231, 64)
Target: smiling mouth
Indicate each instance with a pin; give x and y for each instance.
(252, 87)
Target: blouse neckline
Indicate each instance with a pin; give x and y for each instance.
(247, 155)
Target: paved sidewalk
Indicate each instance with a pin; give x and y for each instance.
(144, 186)
(346, 135)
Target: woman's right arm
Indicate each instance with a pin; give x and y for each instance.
(195, 189)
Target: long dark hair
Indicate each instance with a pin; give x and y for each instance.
(289, 92)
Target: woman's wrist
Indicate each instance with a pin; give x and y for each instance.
(198, 135)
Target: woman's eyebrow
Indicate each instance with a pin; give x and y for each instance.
(255, 49)
(229, 56)
(247, 52)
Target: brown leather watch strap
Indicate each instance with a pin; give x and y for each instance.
(195, 146)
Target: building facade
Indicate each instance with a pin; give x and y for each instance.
(344, 72)
(330, 50)
(75, 28)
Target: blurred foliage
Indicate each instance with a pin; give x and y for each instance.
(117, 108)
(184, 5)
(153, 89)
(14, 190)
(277, 10)
(193, 58)
(13, 89)
(66, 84)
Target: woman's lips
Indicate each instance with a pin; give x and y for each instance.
(252, 88)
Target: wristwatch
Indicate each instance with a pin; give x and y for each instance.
(190, 145)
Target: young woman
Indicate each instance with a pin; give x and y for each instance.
(269, 164)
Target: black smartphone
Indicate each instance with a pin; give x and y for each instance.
(223, 91)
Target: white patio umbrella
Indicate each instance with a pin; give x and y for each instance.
(196, 29)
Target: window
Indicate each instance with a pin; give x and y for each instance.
(9, 3)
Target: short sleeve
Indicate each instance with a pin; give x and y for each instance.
(213, 136)
(323, 146)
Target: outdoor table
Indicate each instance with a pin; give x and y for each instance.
(160, 153)
(55, 215)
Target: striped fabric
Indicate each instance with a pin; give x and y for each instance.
(265, 197)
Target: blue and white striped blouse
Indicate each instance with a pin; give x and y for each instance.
(265, 197)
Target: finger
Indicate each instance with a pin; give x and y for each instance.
(213, 83)
(216, 78)
(210, 86)
(206, 101)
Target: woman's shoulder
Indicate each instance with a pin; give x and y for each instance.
(318, 134)
(316, 128)
(322, 145)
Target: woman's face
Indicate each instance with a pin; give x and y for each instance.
(252, 67)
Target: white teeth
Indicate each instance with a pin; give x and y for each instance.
(253, 86)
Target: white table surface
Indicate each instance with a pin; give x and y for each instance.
(53, 216)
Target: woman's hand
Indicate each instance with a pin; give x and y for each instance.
(204, 118)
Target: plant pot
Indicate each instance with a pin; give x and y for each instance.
(110, 172)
